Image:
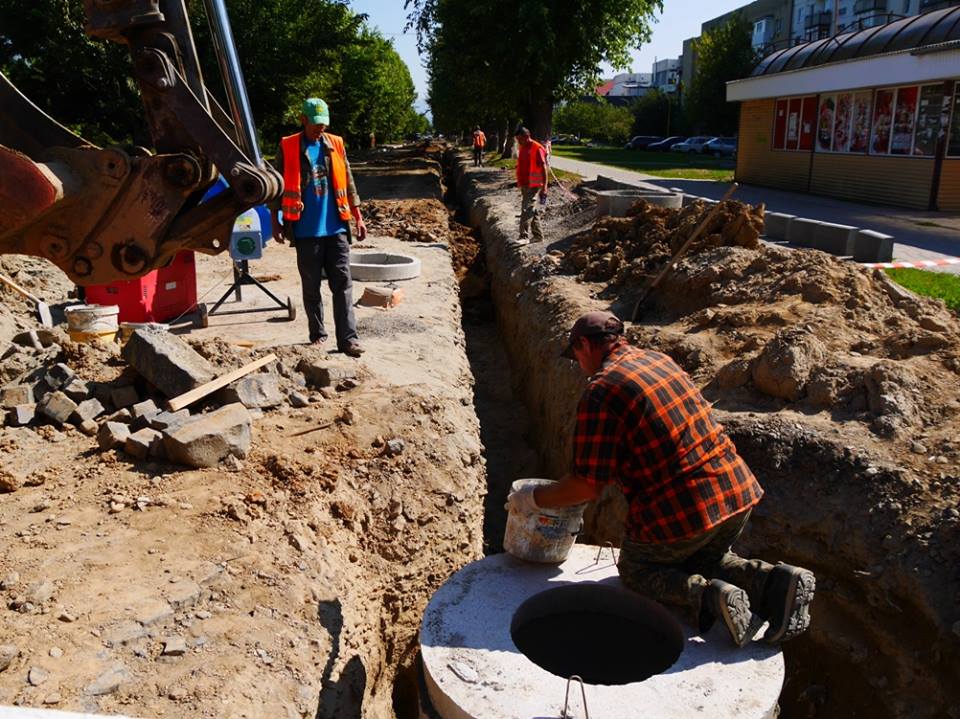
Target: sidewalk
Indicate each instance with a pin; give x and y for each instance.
(919, 235)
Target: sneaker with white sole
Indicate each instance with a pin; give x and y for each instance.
(731, 606)
(786, 602)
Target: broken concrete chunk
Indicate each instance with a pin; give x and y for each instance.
(206, 440)
(167, 362)
(22, 415)
(112, 435)
(381, 297)
(58, 376)
(16, 395)
(166, 420)
(144, 410)
(8, 653)
(57, 407)
(257, 391)
(88, 427)
(153, 612)
(121, 415)
(109, 681)
(123, 633)
(77, 389)
(141, 443)
(298, 400)
(184, 593)
(123, 397)
(321, 375)
(174, 646)
(87, 410)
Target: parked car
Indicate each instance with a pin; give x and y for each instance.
(665, 144)
(565, 140)
(721, 147)
(693, 144)
(640, 142)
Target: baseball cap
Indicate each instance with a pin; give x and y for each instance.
(316, 111)
(593, 324)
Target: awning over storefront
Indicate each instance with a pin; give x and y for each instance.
(912, 50)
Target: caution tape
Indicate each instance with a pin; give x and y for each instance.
(919, 263)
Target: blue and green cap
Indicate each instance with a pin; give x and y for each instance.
(316, 111)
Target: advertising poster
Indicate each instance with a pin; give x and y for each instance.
(928, 121)
(904, 119)
(841, 123)
(882, 121)
(793, 123)
(953, 143)
(825, 122)
(860, 128)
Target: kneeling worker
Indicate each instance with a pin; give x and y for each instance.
(644, 425)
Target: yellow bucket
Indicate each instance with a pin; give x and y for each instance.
(92, 323)
(104, 336)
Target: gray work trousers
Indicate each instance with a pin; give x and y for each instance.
(530, 214)
(330, 255)
(677, 573)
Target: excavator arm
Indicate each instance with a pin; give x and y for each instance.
(103, 214)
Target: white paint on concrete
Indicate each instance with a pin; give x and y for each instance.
(474, 670)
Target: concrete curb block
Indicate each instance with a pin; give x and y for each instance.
(776, 225)
(833, 238)
(800, 231)
(383, 266)
(870, 246)
(616, 203)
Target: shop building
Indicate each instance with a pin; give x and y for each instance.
(871, 116)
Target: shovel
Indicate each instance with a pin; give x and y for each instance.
(43, 310)
(683, 248)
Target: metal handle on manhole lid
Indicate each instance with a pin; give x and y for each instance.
(613, 552)
(566, 699)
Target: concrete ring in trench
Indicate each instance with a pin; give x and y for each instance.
(383, 266)
(644, 664)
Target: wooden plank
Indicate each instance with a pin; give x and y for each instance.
(188, 398)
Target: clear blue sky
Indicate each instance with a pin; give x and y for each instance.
(681, 19)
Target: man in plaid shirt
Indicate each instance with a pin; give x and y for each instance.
(644, 426)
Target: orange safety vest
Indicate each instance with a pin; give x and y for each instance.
(479, 139)
(531, 165)
(292, 201)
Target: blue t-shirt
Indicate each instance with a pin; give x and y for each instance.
(320, 217)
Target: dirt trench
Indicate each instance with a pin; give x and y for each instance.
(848, 505)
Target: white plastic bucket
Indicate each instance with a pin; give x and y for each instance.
(544, 536)
(92, 322)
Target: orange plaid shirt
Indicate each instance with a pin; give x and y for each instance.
(643, 424)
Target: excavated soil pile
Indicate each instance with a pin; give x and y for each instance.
(629, 249)
(37, 276)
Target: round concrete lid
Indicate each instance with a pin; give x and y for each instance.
(473, 668)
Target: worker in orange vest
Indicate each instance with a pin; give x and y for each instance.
(532, 181)
(479, 142)
(319, 199)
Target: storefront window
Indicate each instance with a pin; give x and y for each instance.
(882, 122)
(793, 123)
(860, 129)
(825, 114)
(904, 121)
(928, 121)
(841, 122)
(953, 143)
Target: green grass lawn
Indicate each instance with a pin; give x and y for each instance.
(661, 164)
(930, 284)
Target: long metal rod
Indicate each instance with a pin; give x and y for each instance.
(226, 51)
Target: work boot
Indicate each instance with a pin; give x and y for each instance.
(786, 602)
(730, 605)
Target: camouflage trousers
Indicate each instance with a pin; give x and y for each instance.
(677, 573)
(530, 214)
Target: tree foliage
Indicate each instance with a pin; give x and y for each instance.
(288, 49)
(598, 120)
(658, 113)
(723, 54)
(518, 58)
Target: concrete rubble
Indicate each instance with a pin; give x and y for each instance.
(167, 362)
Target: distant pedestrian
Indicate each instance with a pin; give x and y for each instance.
(319, 199)
(479, 143)
(532, 181)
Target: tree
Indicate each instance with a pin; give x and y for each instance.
(658, 113)
(530, 54)
(723, 54)
(598, 120)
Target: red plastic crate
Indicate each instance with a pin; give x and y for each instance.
(158, 296)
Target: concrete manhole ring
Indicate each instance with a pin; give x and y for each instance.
(383, 266)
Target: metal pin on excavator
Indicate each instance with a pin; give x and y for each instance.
(103, 214)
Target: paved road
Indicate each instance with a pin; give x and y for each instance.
(919, 235)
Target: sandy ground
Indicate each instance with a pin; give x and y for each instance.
(290, 584)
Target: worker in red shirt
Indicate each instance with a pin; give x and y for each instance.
(479, 143)
(643, 426)
(532, 181)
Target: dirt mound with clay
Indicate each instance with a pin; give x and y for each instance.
(628, 249)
